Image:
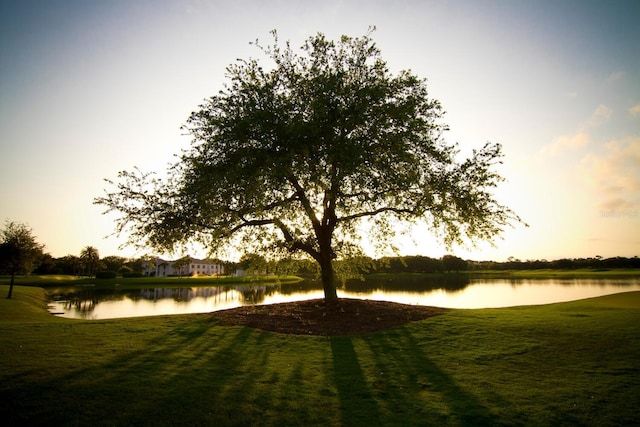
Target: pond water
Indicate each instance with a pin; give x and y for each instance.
(459, 292)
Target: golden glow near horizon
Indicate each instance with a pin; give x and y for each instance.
(91, 88)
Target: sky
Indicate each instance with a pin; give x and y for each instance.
(90, 88)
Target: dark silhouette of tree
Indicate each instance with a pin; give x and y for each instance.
(408, 264)
(253, 264)
(46, 265)
(563, 264)
(71, 264)
(90, 259)
(453, 263)
(19, 251)
(140, 265)
(305, 155)
(113, 263)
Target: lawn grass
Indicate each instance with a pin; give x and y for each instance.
(561, 364)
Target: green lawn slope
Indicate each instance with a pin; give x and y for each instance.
(561, 364)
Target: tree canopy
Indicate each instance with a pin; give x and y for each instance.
(90, 259)
(304, 153)
(19, 251)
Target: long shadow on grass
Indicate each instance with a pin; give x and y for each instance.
(199, 374)
(421, 392)
(194, 371)
(356, 402)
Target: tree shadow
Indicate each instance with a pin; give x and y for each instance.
(356, 401)
(149, 383)
(195, 373)
(187, 372)
(425, 394)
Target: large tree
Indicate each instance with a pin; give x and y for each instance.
(19, 251)
(306, 153)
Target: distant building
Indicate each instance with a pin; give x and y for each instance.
(195, 267)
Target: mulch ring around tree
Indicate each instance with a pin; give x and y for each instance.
(314, 317)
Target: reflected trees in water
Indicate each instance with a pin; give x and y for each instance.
(452, 291)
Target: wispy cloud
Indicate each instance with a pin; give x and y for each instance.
(614, 175)
(599, 116)
(635, 110)
(616, 204)
(564, 144)
(570, 143)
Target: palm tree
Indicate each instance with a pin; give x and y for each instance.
(90, 258)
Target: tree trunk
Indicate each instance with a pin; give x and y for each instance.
(11, 286)
(328, 283)
(328, 280)
(325, 258)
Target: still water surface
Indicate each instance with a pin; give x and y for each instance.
(89, 303)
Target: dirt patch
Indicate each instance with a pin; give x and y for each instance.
(314, 317)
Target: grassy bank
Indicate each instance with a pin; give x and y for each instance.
(562, 364)
(49, 281)
(186, 281)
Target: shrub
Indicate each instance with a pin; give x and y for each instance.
(105, 274)
(132, 274)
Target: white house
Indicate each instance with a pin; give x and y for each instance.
(195, 267)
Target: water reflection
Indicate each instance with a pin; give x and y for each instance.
(180, 294)
(81, 305)
(452, 291)
(452, 283)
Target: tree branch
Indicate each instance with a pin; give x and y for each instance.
(296, 244)
(375, 212)
(304, 200)
(251, 223)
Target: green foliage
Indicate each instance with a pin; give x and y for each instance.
(114, 263)
(47, 264)
(90, 260)
(453, 263)
(106, 274)
(597, 264)
(19, 251)
(304, 155)
(131, 274)
(125, 269)
(181, 263)
(353, 268)
(253, 264)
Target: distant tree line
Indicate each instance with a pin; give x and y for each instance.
(88, 264)
(420, 264)
(448, 263)
(595, 263)
(20, 253)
